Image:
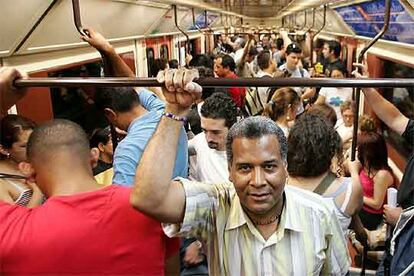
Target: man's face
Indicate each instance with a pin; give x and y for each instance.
(326, 51)
(258, 173)
(220, 71)
(348, 117)
(292, 60)
(216, 132)
(265, 41)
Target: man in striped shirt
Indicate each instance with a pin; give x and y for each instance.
(255, 226)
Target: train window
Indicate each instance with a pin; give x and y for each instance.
(164, 52)
(150, 61)
(77, 103)
(403, 99)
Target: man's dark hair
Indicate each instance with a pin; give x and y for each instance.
(253, 51)
(293, 48)
(279, 43)
(254, 128)
(201, 60)
(334, 46)
(55, 137)
(312, 143)
(173, 64)
(340, 66)
(228, 61)
(263, 59)
(119, 99)
(220, 106)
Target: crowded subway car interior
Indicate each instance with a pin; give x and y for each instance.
(225, 137)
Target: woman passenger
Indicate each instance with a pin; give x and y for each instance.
(375, 175)
(282, 108)
(15, 132)
(101, 139)
(313, 144)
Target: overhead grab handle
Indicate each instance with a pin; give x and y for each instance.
(387, 16)
(304, 21)
(324, 21)
(178, 27)
(77, 18)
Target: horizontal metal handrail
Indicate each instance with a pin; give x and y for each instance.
(218, 82)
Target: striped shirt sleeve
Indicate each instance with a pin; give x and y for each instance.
(202, 203)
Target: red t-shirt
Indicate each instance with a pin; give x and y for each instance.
(90, 233)
(237, 93)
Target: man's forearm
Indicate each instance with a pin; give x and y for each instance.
(385, 110)
(155, 170)
(116, 65)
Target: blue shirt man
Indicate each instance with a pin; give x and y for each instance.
(129, 150)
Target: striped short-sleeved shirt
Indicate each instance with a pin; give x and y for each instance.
(308, 241)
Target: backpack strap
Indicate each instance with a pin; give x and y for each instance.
(325, 183)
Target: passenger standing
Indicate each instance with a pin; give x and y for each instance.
(14, 189)
(137, 112)
(254, 226)
(267, 69)
(224, 67)
(82, 229)
(376, 177)
(293, 56)
(331, 52)
(346, 128)
(218, 114)
(313, 145)
(282, 108)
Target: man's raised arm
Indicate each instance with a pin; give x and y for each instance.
(385, 110)
(114, 64)
(154, 193)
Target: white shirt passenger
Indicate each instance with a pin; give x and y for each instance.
(334, 97)
(263, 91)
(209, 165)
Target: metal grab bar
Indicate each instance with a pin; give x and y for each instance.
(387, 16)
(77, 18)
(216, 82)
(178, 27)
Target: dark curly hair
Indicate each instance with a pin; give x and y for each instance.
(220, 106)
(312, 144)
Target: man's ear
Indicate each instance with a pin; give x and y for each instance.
(110, 114)
(229, 168)
(28, 171)
(94, 157)
(3, 151)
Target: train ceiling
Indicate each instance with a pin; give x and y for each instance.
(46, 25)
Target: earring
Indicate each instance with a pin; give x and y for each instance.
(8, 155)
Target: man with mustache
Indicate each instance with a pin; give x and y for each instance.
(218, 114)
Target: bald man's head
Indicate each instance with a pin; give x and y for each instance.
(57, 138)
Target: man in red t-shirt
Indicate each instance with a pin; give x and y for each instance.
(224, 67)
(82, 228)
